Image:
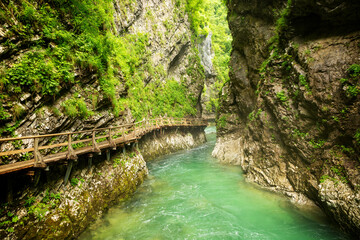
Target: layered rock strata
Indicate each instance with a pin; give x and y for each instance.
(290, 113)
(170, 53)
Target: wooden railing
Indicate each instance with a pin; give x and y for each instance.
(87, 141)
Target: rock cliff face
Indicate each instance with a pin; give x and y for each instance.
(71, 66)
(167, 53)
(161, 143)
(60, 211)
(290, 113)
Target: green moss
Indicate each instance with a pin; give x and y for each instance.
(282, 97)
(352, 84)
(298, 133)
(357, 136)
(317, 144)
(303, 81)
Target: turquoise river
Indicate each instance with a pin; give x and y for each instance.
(189, 195)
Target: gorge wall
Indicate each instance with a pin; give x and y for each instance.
(76, 65)
(289, 115)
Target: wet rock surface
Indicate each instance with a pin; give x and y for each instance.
(287, 118)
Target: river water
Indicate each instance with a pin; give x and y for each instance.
(189, 195)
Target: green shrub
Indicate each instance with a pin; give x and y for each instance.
(354, 70)
(221, 122)
(74, 182)
(357, 136)
(76, 107)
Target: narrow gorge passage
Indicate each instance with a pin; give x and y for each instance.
(189, 195)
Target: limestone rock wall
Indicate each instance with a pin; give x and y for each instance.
(161, 143)
(170, 51)
(287, 118)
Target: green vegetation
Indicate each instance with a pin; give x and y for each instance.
(68, 42)
(282, 97)
(357, 136)
(297, 133)
(254, 114)
(354, 71)
(206, 16)
(281, 26)
(317, 144)
(304, 82)
(337, 170)
(221, 122)
(76, 107)
(352, 84)
(199, 20)
(75, 181)
(36, 207)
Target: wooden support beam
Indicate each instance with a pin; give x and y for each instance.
(90, 158)
(37, 177)
(107, 154)
(68, 171)
(9, 192)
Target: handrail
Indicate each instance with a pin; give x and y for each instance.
(109, 134)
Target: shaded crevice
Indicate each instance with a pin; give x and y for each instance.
(176, 60)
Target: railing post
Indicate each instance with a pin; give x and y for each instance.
(39, 162)
(111, 141)
(96, 149)
(71, 153)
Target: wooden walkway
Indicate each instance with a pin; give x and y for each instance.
(88, 141)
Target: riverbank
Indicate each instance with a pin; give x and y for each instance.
(50, 209)
(190, 195)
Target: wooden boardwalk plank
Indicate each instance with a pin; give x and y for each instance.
(135, 134)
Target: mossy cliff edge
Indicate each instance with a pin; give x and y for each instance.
(73, 65)
(48, 209)
(289, 115)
